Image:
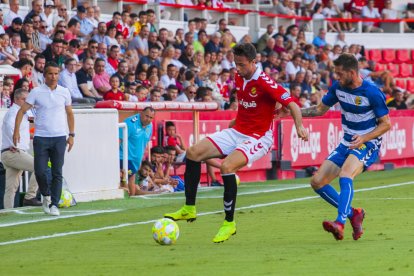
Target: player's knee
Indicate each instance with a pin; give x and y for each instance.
(316, 182)
(227, 167)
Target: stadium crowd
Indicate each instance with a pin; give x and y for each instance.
(129, 59)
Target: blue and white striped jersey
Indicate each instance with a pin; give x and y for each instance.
(360, 108)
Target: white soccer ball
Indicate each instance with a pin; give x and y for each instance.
(65, 199)
(165, 231)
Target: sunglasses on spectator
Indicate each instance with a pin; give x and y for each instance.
(63, 9)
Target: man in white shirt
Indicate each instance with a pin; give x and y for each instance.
(169, 78)
(54, 115)
(188, 95)
(13, 13)
(369, 11)
(15, 158)
(293, 66)
(67, 78)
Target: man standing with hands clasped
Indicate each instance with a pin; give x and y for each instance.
(54, 115)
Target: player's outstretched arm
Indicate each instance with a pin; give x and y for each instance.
(316, 110)
(297, 118)
(384, 124)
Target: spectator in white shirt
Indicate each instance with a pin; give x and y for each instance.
(170, 77)
(389, 13)
(228, 62)
(48, 14)
(370, 12)
(13, 12)
(188, 95)
(67, 78)
(293, 66)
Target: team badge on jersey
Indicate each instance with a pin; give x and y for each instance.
(358, 100)
(253, 92)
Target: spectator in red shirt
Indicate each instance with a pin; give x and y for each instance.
(115, 93)
(116, 21)
(113, 57)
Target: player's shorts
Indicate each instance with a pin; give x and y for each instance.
(367, 154)
(229, 140)
(132, 167)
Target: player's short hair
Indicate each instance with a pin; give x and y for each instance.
(18, 93)
(347, 61)
(245, 49)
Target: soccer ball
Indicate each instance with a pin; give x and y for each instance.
(65, 199)
(165, 231)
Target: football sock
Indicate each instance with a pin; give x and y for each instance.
(191, 180)
(345, 198)
(329, 194)
(230, 193)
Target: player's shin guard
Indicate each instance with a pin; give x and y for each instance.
(329, 194)
(345, 199)
(191, 180)
(230, 193)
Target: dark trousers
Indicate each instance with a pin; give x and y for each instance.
(53, 149)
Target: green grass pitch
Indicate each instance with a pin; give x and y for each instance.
(279, 232)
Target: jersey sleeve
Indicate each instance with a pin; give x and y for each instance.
(277, 92)
(377, 100)
(31, 97)
(330, 98)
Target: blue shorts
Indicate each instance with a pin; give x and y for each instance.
(367, 154)
(132, 167)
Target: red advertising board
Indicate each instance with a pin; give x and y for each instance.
(326, 133)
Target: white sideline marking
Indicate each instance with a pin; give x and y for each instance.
(87, 213)
(297, 186)
(201, 214)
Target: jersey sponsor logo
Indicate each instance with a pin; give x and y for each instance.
(358, 100)
(247, 105)
(285, 96)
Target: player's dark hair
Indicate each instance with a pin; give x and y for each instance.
(348, 62)
(50, 64)
(169, 123)
(245, 49)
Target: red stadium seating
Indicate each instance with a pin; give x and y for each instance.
(405, 70)
(410, 85)
(379, 67)
(401, 83)
(375, 55)
(388, 55)
(393, 68)
(403, 55)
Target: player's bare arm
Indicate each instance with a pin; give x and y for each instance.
(316, 110)
(297, 118)
(384, 124)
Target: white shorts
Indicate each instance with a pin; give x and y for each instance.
(229, 140)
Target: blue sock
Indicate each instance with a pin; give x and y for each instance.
(345, 199)
(330, 195)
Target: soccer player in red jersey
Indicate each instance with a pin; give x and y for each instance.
(249, 139)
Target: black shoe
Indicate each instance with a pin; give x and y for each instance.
(216, 183)
(31, 202)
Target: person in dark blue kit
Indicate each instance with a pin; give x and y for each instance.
(364, 119)
(139, 134)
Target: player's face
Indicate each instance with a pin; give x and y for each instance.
(244, 66)
(345, 78)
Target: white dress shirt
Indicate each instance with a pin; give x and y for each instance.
(7, 130)
(68, 80)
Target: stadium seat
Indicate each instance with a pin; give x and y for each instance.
(393, 68)
(410, 85)
(401, 83)
(403, 55)
(388, 55)
(375, 55)
(379, 67)
(405, 70)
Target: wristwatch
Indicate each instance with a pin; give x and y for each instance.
(72, 134)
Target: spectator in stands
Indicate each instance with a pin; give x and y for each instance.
(172, 93)
(281, 31)
(155, 95)
(142, 21)
(67, 78)
(99, 37)
(44, 39)
(85, 26)
(101, 78)
(292, 34)
(187, 58)
(15, 157)
(38, 70)
(150, 60)
(140, 42)
(55, 52)
(26, 34)
(370, 12)
(261, 42)
(84, 79)
(37, 8)
(90, 18)
(170, 77)
(270, 46)
(200, 43)
(332, 11)
(340, 40)
(228, 61)
(162, 180)
(188, 95)
(130, 91)
(382, 79)
(163, 38)
(139, 134)
(173, 139)
(72, 30)
(151, 18)
(13, 12)
(113, 57)
(62, 15)
(115, 94)
(15, 27)
(293, 66)
(320, 40)
(122, 74)
(97, 13)
(110, 37)
(53, 119)
(214, 43)
(144, 180)
(389, 13)
(398, 102)
(283, 7)
(48, 13)
(91, 51)
(7, 53)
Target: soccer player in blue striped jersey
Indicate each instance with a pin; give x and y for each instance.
(364, 119)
